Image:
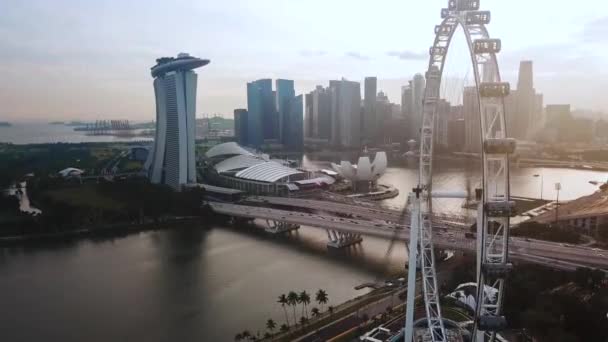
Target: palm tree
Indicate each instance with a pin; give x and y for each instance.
(292, 299)
(238, 337)
(270, 325)
(305, 300)
(284, 328)
(322, 298)
(315, 312)
(284, 301)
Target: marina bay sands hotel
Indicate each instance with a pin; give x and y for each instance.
(172, 160)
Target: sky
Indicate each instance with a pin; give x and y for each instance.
(91, 59)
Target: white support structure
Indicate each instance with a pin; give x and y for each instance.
(339, 239)
(495, 206)
(278, 227)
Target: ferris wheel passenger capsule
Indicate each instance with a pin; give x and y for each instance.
(487, 46)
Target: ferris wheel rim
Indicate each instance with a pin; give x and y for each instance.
(452, 22)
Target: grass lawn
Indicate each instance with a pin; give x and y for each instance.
(85, 195)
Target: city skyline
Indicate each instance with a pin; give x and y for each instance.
(53, 71)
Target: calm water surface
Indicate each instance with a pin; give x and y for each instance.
(42, 133)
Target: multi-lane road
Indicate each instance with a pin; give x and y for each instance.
(366, 222)
(364, 210)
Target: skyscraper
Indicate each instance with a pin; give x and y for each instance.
(406, 101)
(308, 119)
(285, 94)
(172, 160)
(370, 114)
(442, 117)
(522, 106)
(418, 86)
(321, 113)
(293, 131)
(262, 123)
(346, 113)
(240, 126)
(472, 128)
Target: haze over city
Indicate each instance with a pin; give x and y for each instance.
(65, 60)
(287, 170)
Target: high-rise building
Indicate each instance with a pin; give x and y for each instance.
(442, 116)
(262, 123)
(472, 128)
(418, 85)
(406, 101)
(172, 160)
(321, 113)
(308, 118)
(523, 106)
(240, 126)
(370, 114)
(293, 124)
(346, 113)
(526, 76)
(285, 94)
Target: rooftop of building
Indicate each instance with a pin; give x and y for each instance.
(183, 61)
(593, 205)
(233, 160)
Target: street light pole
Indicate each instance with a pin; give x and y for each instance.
(558, 187)
(541, 185)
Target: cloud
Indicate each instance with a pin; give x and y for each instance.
(312, 53)
(357, 55)
(596, 31)
(408, 55)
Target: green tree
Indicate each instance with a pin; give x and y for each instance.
(315, 312)
(270, 325)
(246, 334)
(284, 328)
(292, 299)
(238, 337)
(330, 309)
(304, 298)
(283, 300)
(322, 298)
(303, 321)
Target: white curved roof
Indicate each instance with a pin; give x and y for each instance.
(267, 172)
(229, 148)
(364, 170)
(238, 162)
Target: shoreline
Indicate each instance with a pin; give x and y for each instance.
(119, 229)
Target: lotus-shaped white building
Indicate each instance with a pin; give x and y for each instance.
(365, 174)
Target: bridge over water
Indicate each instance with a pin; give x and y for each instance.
(449, 233)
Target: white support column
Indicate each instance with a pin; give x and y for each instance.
(412, 264)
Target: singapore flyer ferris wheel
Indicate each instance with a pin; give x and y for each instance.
(495, 206)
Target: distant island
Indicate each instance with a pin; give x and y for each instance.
(5, 124)
(56, 123)
(76, 123)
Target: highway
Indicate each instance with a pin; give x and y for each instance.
(366, 211)
(547, 253)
